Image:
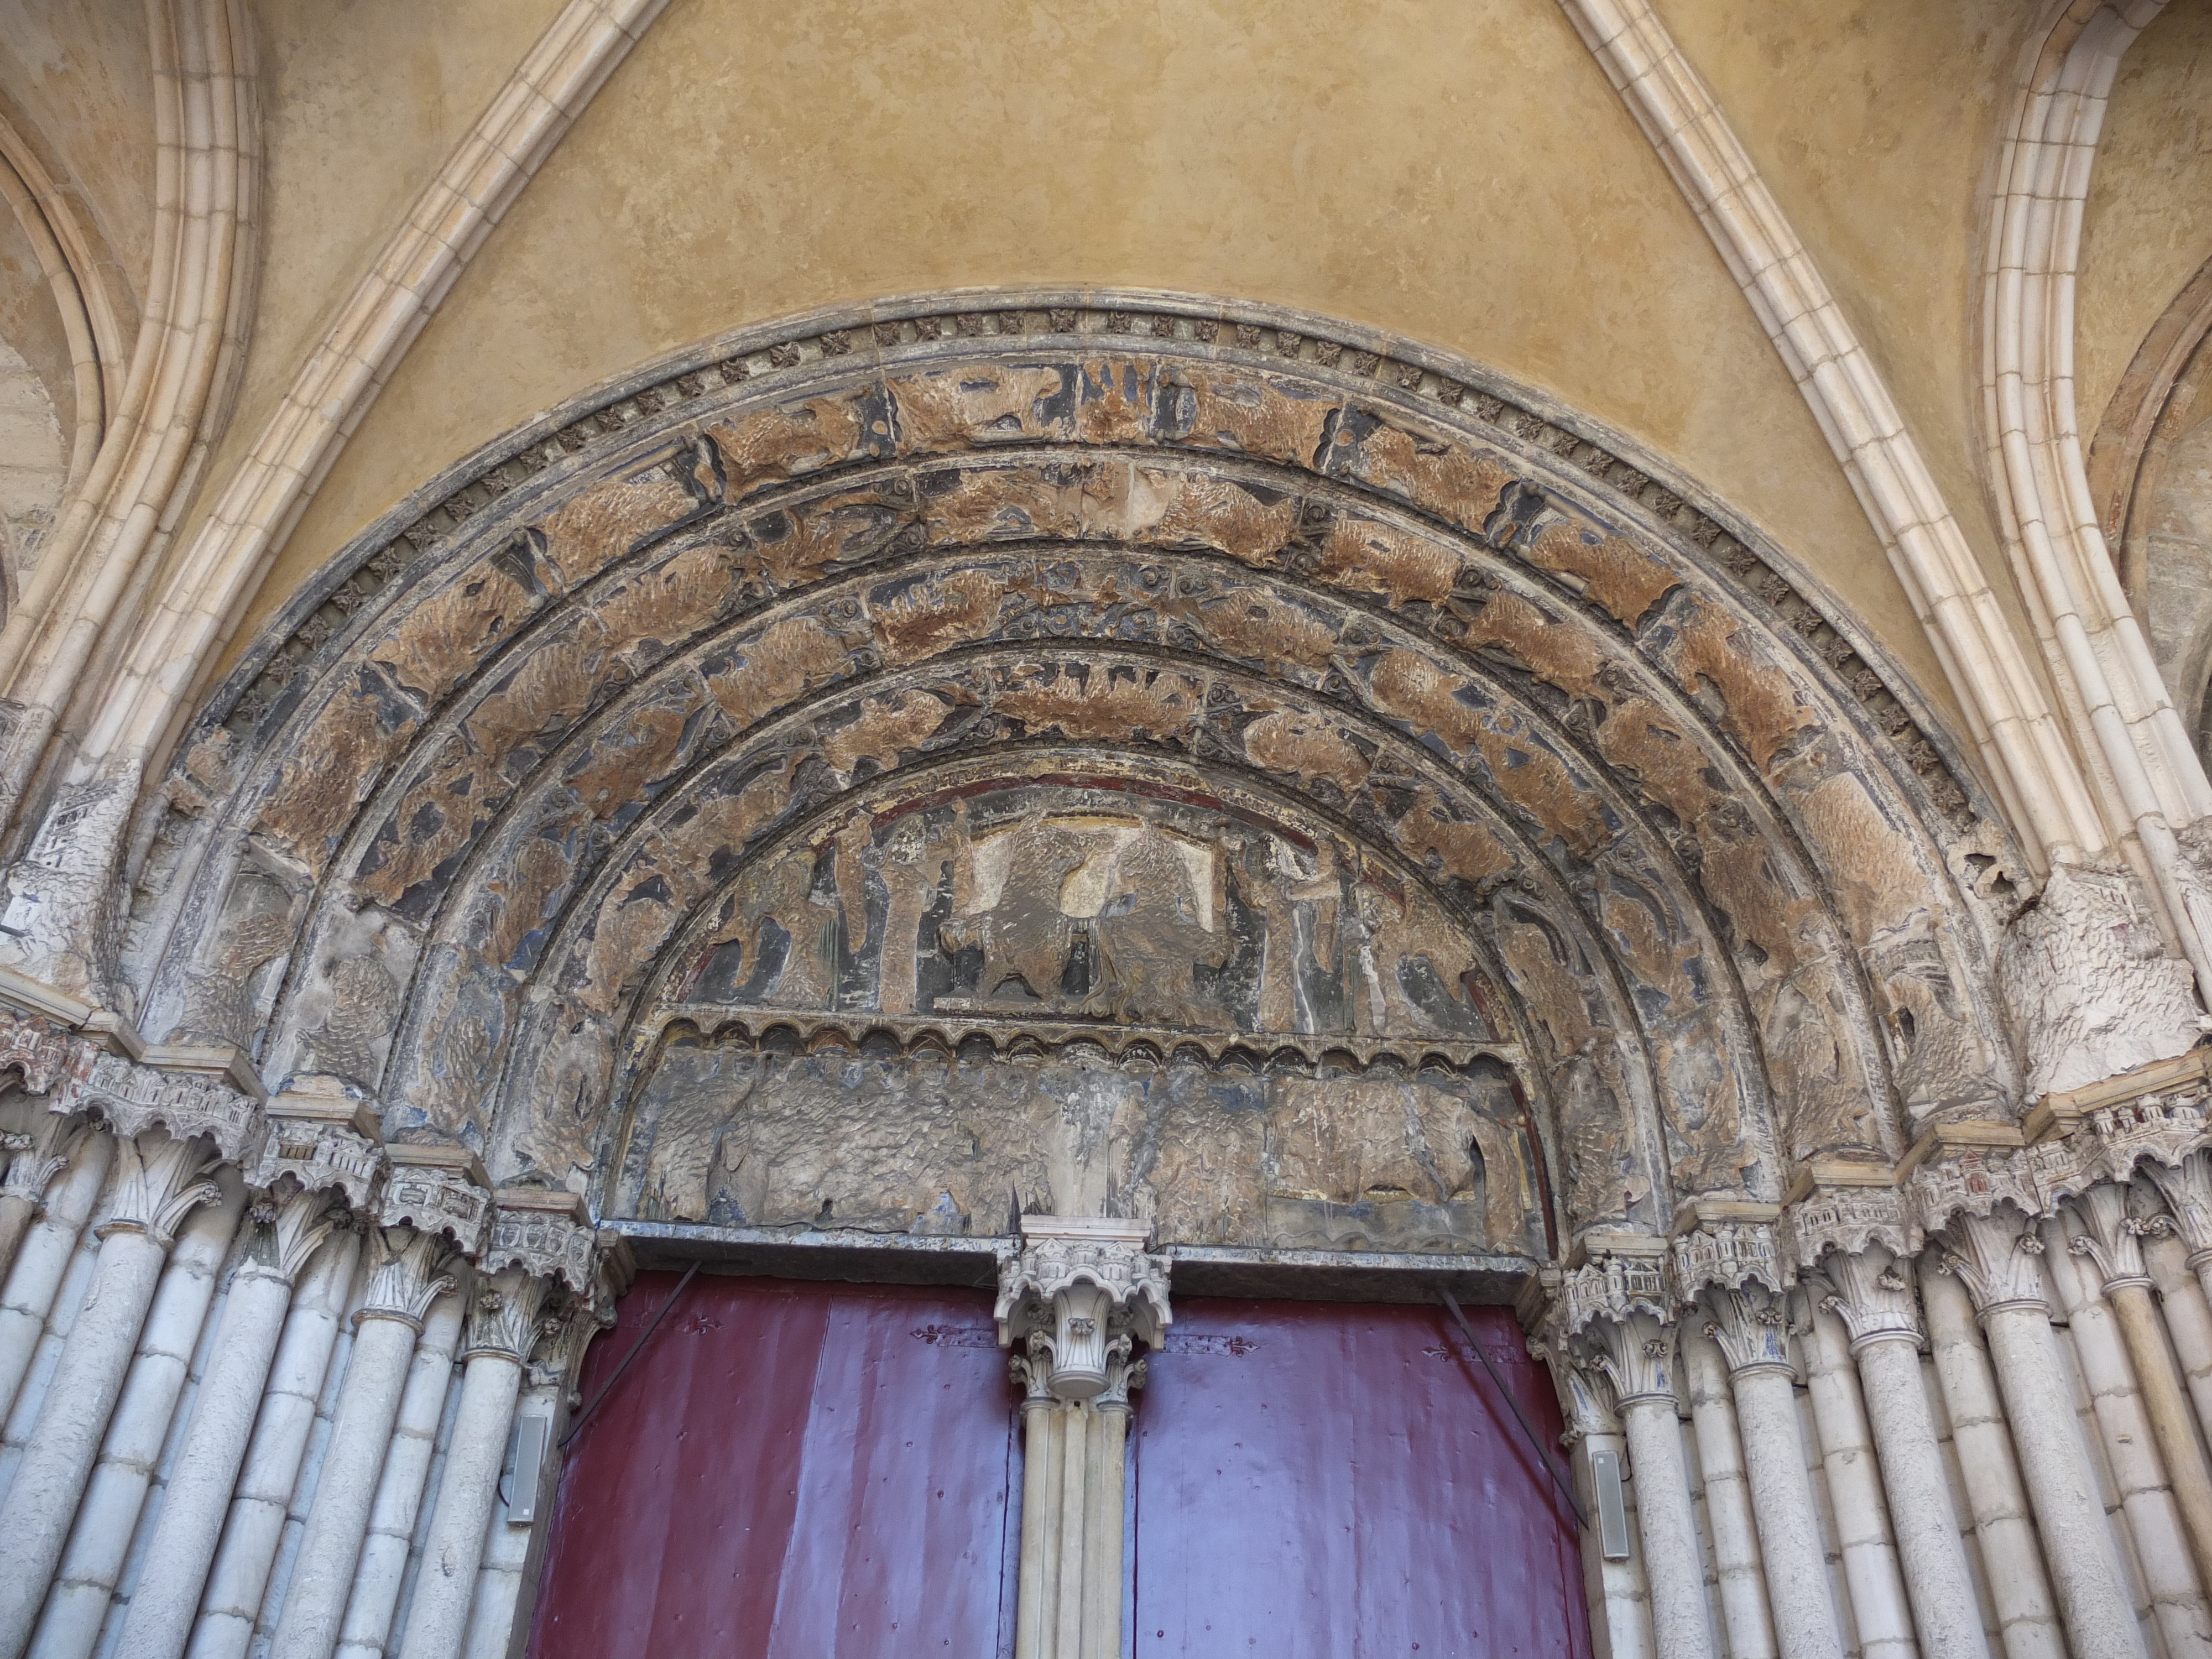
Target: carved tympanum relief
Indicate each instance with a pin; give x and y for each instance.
(1107, 687)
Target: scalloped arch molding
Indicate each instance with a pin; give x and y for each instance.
(623, 740)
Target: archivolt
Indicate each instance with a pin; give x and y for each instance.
(494, 784)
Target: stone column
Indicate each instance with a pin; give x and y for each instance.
(1734, 1268)
(2186, 1187)
(1749, 1624)
(231, 1603)
(1872, 1578)
(541, 1245)
(1995, 1257)
(42, 1262)
(1618, 1312)
(1074, 1304)
(162, 1180)
(288, 1228)
(1875, 1301)
(2111, 1239)
(409, 1274)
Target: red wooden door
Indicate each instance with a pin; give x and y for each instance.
(1318, 1482)
(790, 1471)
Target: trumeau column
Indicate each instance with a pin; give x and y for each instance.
(171, 1133)
(2112, 1241)
(1733, 1268)
(1860, 1239)
(436, 1198)
(1073, 1305)
(541, 1248)
(1994, 1255)
(321, 1163)
(1618, 1313)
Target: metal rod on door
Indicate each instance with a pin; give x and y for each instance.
(1451, 1305)
(636, 1348)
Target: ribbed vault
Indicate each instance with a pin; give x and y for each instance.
(1437, 737)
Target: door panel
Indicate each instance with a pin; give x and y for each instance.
(791, 1471)
(1321, 1481)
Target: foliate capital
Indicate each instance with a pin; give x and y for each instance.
(1078, 1297)
(2109, 1237)
(407, 1272)
(1994, 1256)
(161, 1178)
(1752, 1326)
(505, 1321)
(1870, 1289)
(288, 1228)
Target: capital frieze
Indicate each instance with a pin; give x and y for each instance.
(131, 1097)
(548, 1235)
(322, 1142)
(439, 1189)
(1847, 1219)
(1728, 1256)
(36, 1049)
(1075, 1301)
(1623, 1275)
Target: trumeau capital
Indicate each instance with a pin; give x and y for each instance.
(505, 1321)
(288, 1227)
(1752, 1326)
(1994, 1256)
(546, 1234)
(2109, 1237)
(1729, 1255)
(438, 1189)
(407, 1274)
(1872, 1294)
(1078, 1297)
(132, 1098)
(160, 1180)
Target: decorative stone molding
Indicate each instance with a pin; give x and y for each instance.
(407, 1274)
(2186, 1185)
(1077, 1296)
(504, 1320)
(1873, 1295)
(438, 1189)
(1628, 1277)
(287, 1229)
(1994, 1256)
(2110, 1237)
(546, 1235)
(132, 1098)
(157, 1187)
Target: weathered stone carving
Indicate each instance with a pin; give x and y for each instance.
(438, 1191)
(1075, 1299)
(1873, 1295)
(160, 1179)
(2088, 984)
(544, 1234)
(407, 1272)
(131, 1098)
(35, 1050)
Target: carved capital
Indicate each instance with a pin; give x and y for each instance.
(1847, 1219)
(1994, 1256)
(407, 1274)
(1635, 1355)
(1080, 1294)
(506, 1319)
(1729, 1255)
(1613, 1286)
(2186, 1187)
(564, 1336)
(545, 1233)
(35, 1159)
(1583, 1394)
(288, 1228)
(37, 1050)
(1752, 1326)
(1973, 1181)
(160, 1180)
(2108, 1236)
(1871, 1292)
(131, 1098)
(322, 1142)
(438, 1189)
